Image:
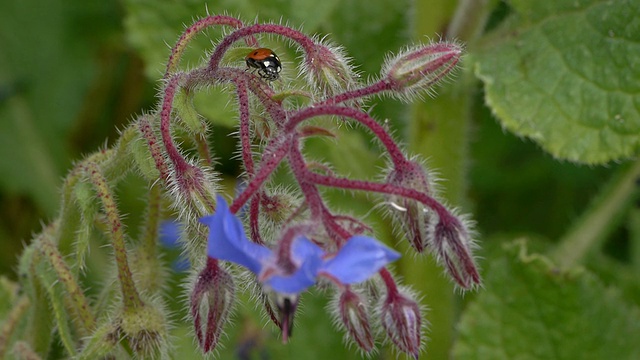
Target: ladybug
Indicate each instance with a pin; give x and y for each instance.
(267, 63)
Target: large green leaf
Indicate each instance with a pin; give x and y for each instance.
(530, 310)
(566, 74)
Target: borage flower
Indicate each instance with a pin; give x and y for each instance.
(360, 258)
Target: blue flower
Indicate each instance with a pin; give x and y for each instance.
(359, 259)
(169, 233)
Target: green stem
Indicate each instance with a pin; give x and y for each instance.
(11, 322)
(39, 332)
(470, 19)
(150, 235)
(130, 296)
(24, 350)
(69, 222)
(439, 131)
(72, 288)
(118, 161)
(604, 213)
(634, 235)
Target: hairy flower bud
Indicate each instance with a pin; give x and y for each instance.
(451, 244)
(328, 69)
(400, 317)
(197, 188)
(353, 315)
(416, 221)
(211, 302)
(421, 67)
(278, 206)
(146, 330)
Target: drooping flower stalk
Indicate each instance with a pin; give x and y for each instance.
(314, 242)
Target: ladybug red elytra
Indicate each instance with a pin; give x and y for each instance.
(266, 61)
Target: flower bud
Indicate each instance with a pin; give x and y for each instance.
(197, 188)
(146, 330)
(353, 315)
(451, 245)
(328, 69)
(416, 221)
(402, 322)
(277, 206)
(211, 302)
(421, 67)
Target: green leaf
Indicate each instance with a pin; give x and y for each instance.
(564, 74)
(530, 310)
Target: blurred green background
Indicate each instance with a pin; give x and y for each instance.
(73, 72)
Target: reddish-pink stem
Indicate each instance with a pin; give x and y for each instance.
(312, 196)
(254, 216)
(375, 88)
(273, 154)
(303, 40)
(191, 31)
(245, 132)
(176, 158)
(378, 130)
(384, 188)
(147, 132)
(392, 287)
(310, 192)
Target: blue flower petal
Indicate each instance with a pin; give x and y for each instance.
(303, 249)
(309, 255)
(227, 240)
(359, 259)
(169, 233)
(181, 264)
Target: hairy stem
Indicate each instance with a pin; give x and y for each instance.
(11, 322)
(192, 31)
(68, 280)
(130, 296)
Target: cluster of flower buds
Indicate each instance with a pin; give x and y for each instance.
(293, 240)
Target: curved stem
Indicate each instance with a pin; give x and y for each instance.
(11, 321)
(181, 45)
(303, 40)
(397, 157)
(176, 158)
(311, 194)
(70, 283)
(389, 283)
(130, 296)
(591, 228)
(144, 125)
(272, 156)
(385, 188)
